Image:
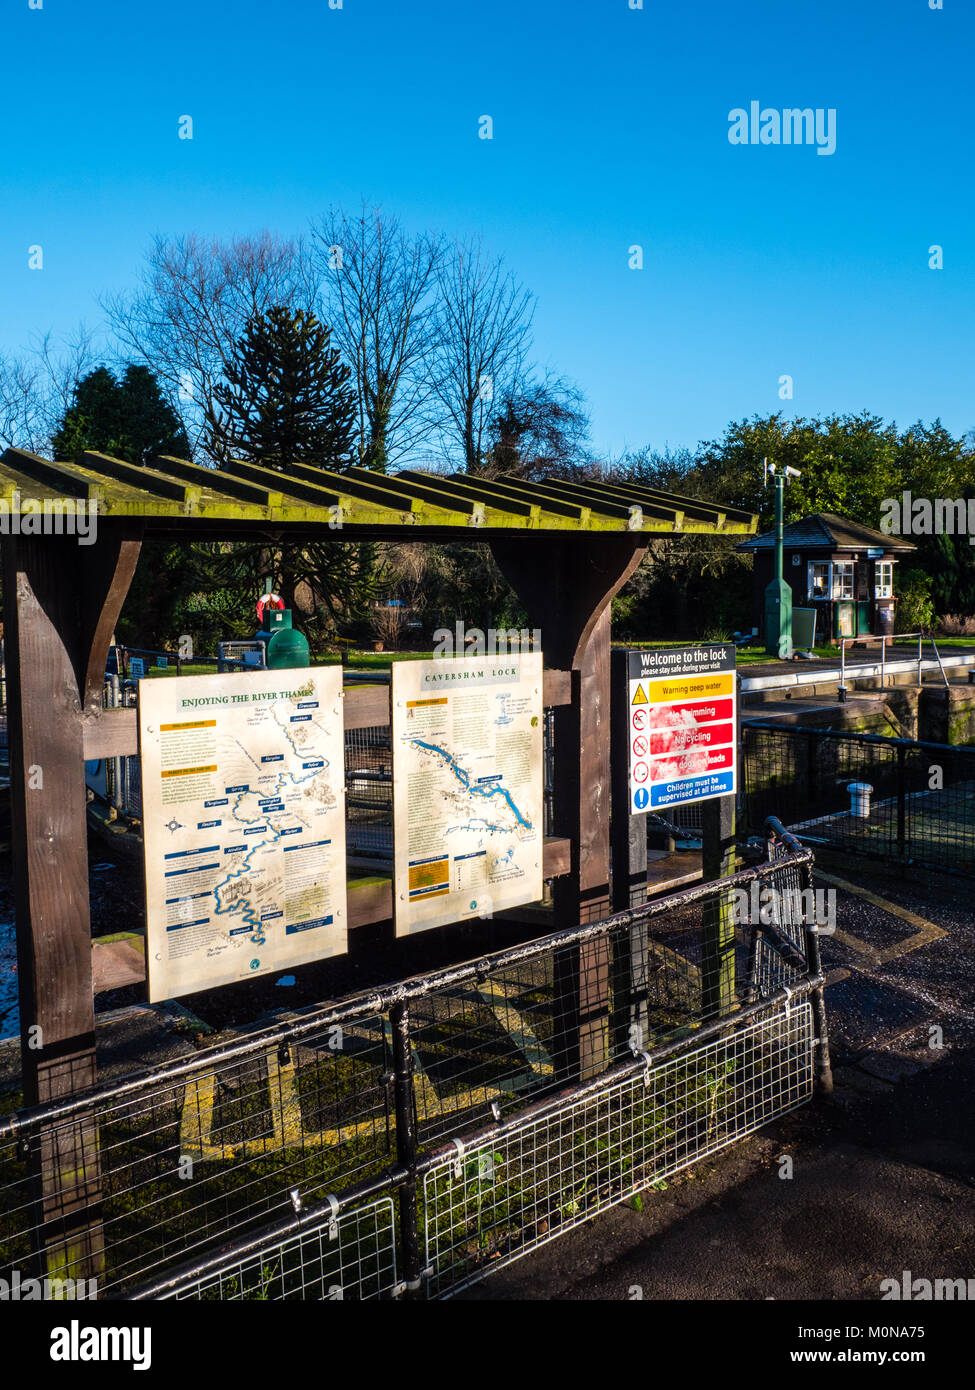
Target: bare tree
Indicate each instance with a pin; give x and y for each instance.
(37, 387)
(375, 282)
(482, 327)
(195, 299)
(541, 427)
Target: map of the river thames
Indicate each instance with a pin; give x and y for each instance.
(244, 824)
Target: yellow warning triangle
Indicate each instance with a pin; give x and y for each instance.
(640, 698)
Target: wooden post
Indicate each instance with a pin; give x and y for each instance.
(718, 958)
(566, 584)
(61, 602)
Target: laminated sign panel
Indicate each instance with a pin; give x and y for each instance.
(467, 787)
(682, 720)
(244, 825)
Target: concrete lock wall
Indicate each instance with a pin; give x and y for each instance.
(947, 715)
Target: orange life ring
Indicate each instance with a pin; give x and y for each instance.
(274, 600)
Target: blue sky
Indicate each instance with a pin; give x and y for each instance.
(610, 130)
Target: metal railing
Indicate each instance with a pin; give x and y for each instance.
(918, 806)
(621, 1050)
(123, 657)
(884, 640)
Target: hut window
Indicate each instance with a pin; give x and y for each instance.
(884, 579)
(818, 580)
(843, 579)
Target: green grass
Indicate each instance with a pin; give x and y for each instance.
(941, 642)
(749, 656)
(354, 659)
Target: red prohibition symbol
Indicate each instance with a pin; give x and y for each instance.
(640, 745)
(639, 719)
(641, 772)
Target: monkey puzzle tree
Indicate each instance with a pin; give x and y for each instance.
(285, 399)
(285, 396)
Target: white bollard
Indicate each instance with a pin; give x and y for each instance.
(860, 799)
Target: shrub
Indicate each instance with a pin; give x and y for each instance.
(915, 609)
(957, 625)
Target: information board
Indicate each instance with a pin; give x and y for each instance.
(243, 823)
(468, 791)
(682, 710)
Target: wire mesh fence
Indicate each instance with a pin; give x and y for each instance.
(491, 1201)
(369, 792)
(347, 1256)
(891, 798)
(218, 1158)
(166, 1164)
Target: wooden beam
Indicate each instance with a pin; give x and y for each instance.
(113, 733)
(369, 900)
(556, 688)
(216, 480)
(629, 877)
(117, 961)
(144, 479)
(61, 602)
(566, 587)
(718, 944)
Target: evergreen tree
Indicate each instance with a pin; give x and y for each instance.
(285, 398)
(127, 417)
(130, 418)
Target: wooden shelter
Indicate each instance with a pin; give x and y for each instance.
(565, 547)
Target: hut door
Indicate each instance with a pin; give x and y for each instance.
(863, 598)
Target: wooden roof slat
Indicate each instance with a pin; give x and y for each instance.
(516, 490)
(217, 480)
(700, 505)
(356, 487)
(605, 506)
(14, 486)
(139, 477)
(546, 497)
(424, 491)
(477, 489)
(64, 478)
(289, 486)
(652, 497)
(661, 503)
